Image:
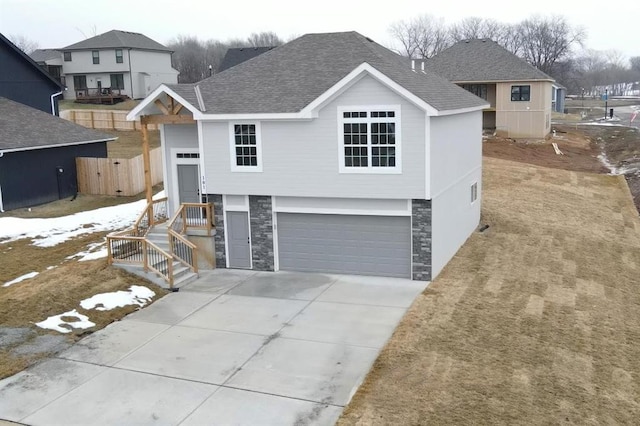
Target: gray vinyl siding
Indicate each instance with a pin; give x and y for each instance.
(456, 147)
(176, 136)
(300, 158)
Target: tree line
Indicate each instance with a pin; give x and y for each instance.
(549, 43)
(198, 59)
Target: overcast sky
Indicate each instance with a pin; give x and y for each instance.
(58, 23)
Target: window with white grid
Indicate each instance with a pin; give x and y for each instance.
(369, 139)
(245, 147)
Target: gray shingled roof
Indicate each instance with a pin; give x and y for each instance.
(23, 128)
(482, 60)
(289, 77)
(42, 55)
(238, 55)
(118, 39)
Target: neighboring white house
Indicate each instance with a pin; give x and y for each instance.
(327, 154)
(127, 63)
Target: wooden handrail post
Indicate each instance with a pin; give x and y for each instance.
(147, 163)
(145, 257)
(109, 255)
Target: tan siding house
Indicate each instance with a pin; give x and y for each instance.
(519, 94)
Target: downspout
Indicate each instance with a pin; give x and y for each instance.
(130, 73)
(1, 204)
(53, 106)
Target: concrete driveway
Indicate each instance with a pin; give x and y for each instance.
(234, 347)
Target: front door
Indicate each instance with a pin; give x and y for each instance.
(238, 238)
(188, 187)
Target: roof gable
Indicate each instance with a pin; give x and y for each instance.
(288, 78)
(482, 60)
(23, 128)
(118, 39)
(30, 62)
(43, 55)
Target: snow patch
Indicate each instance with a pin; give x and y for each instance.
(613, 170)
(91, 253)
(20, 278)
(56, 322)
(137, 295)
(53, 231)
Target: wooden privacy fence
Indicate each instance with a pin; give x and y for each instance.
(116, 176)
(103, 119)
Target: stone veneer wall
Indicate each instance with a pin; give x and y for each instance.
(261, 220)
(218, 214)
(421, 239)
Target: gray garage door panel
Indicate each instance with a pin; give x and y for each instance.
(365, 245)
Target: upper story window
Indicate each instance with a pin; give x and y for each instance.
(67, 56)
(119, 58)
(95, 54)
(369, 139)
(521, 93)
(479, 90)
(246, 147)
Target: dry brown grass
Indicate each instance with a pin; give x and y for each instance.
(81, 203)
(129, 143)
(535, 321)
(60, 290)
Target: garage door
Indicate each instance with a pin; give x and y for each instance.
(365, 245)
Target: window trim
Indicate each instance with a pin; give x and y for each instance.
(520, 86)
(120, 57)
(397, 169)
(95, 54)
(64, 56)
(232, 147)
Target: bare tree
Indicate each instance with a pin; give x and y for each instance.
(547, 40)
(23, 43)
(189, 57)
(421, 37)
(635, 63)
(264, 39)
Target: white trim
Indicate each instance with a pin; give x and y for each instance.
(199, 98)
(397, 120)
(1, 203)
(427, 157)
(32, 148)
(175, 190)
(136, 112)
(53, 107)
(226, 235)
(203, 178)
(382, 78)
(342, 211)
(232, 147)
(165, 169)
(274, 230)
(462, 110)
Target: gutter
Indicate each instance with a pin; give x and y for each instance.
(1, 204)
(53, 107)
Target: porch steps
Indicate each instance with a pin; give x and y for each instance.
(182, 274)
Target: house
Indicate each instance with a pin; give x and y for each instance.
(328, 154)
(120, 63)
(558, 95)
(51, 61)
(237, 55)
(24, 81)
(519, 94)
(37, 155)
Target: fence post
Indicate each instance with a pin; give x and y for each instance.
(113, 121)
(145, 260)
(93, 126)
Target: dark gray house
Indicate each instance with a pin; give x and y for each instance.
(238, 55)
(24, 81)
(37, 155)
